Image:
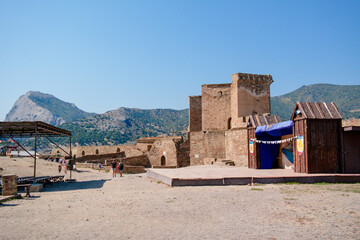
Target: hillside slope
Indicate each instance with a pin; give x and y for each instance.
(346, 98)
(37, 106)
(127, 124)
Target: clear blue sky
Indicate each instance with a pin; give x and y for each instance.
(102, 55)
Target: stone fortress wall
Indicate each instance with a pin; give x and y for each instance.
(148, 151)
(81, 151)
(217, 127)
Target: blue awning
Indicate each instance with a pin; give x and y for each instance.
(276, 130)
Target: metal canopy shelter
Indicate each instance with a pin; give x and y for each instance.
(32, 129)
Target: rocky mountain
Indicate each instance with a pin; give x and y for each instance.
(37, 106)
(346, 98)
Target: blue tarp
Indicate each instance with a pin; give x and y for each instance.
(276, 130)
(269, 152)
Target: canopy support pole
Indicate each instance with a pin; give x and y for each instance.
(36, 127)
(21, 147)
(59, 146)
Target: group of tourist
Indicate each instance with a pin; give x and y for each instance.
(117, 168)
(62, 166)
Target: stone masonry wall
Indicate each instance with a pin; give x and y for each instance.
(88, 158)
(236, 146)
(250, 94)
(195, 123)
(197, 152)
(141, 160)
(129, 150)
(163, 148)
(216, 107)
(215, 144)
(127, 168)
(209, 144)
(184, 156)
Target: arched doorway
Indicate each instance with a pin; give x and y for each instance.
(97, 152)
(83, 153)
(118, 150)
(163, 161)
(229, 123)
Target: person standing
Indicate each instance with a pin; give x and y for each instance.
(121, 168)
(99, 166)
(113, 168)
(64, 167)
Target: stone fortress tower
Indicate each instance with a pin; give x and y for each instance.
(217, 128)
(218, 118)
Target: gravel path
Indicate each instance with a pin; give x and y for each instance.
(98, 206)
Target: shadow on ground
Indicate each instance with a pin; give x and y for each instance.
(69, 186)
(80, 171)
(8, 205)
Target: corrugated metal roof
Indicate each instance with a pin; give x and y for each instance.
(317, 110)
(261, 120)
(30, 129)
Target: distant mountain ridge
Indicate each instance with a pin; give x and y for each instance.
(37, 106)
(125, 125)
(346, 98)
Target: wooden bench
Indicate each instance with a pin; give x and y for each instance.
(24, 180)
(45, 179)
(58, 178)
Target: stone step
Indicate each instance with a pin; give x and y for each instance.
(228, 162)
(218, 162)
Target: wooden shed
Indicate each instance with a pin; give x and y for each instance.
(317, 128)
(253, 147)
(351, 149)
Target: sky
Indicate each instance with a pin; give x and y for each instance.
(102, 55)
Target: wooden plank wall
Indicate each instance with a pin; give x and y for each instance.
(299, 160)
(324, 146)
(253, 160)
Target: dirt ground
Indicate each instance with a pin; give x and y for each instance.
(98, 206)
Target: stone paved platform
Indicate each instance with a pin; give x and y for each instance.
(216, 175)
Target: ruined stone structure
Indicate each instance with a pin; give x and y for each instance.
(148, 152)
(169, 152)
(217, 127)
(218, 118)
(128, 150)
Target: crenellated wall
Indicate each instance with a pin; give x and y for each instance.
(250, 94)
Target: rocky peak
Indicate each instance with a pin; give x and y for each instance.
(37, 106)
